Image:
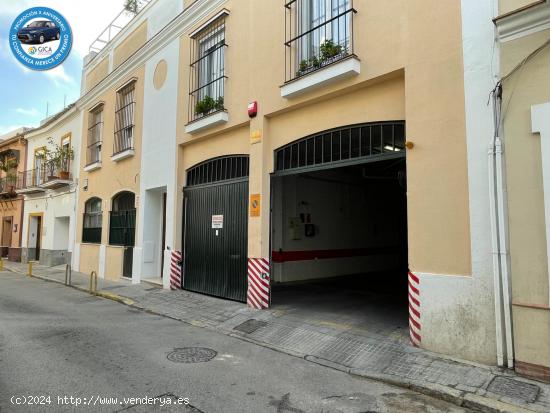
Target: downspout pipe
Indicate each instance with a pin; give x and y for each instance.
(499, 238)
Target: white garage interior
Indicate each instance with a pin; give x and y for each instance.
(339, 245)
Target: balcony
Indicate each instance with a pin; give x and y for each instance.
(28, 182)
(319, 45)
(56, 175)
(7, 187)
(207, 78)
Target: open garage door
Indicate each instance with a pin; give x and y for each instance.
(339, 228)
(215, 228)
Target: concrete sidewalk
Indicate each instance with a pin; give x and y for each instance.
(390, 359)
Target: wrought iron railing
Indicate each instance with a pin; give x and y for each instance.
(122, 227)
(207, 71)
(8, 184)
(93, 151)
(91, 231)
(124, 128)
(29, 179)
(318, 33)
(54, 170)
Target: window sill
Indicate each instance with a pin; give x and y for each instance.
(340, 70)
(207, 122)
(92, 167)
(126, 153)
(90, 243)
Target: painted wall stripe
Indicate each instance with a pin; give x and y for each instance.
(258, 283)
(415, 326)
(175, 270)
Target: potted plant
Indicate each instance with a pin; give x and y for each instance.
(60, 157)
(9, 165)
(206, 105)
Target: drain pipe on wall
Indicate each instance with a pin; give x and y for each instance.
(499, 238)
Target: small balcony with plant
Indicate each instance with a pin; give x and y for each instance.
(207, 78)
(8, 181)
(319, 44)
(56, 170)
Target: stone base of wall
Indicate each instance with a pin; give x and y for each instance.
(14, 254)
(533, 371)
(50, 258)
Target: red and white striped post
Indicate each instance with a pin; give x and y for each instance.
(258, 283)
(414, 310)
(175, 270)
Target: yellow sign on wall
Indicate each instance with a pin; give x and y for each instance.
(255, 205)
(255, 136)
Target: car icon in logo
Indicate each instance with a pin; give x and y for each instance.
(39, 31)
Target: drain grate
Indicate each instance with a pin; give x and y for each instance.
(191, 355)
(249, 326)
(514, 388)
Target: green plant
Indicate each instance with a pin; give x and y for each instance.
(206, 105)
(9, 165)
(59, 155)
(219, 103)
(329, 50)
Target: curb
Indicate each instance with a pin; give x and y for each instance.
(102, 294)
(448, 394)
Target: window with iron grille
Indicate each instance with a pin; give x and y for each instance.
(93, 219)
(218, 169)
(318, 33)
(95, 135)
(207, 70)
(122, 222)
(355, 143)
(124, 119)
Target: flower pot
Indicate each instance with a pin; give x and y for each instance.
(64, 175)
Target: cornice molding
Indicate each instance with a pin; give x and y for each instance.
(523, 23)
(194, 14)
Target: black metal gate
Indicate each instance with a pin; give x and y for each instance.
(216, 228)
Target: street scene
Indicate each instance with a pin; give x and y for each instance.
(298, 206)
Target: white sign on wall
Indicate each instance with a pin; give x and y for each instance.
(217, 221)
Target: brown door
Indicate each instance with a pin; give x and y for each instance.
(38, 236)
(7, 225)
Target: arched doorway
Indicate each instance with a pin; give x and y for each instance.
(215, 232)
(122, 227)
(339, 227)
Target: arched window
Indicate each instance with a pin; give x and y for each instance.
(122, 225)
(93, 219)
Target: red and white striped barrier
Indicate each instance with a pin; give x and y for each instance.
(414, 309)
(175, 271)
(258, 283)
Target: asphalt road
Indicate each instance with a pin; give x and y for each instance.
(57, 342)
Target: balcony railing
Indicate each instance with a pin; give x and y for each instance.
(317, 34)
(7, 185)
(54, 171)
(124, 133)
(93, 153)
(28, 179)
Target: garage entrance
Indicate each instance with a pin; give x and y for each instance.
(215, 238)
(339, 228)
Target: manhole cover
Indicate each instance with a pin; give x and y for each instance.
(191, 355)
(249, 326)
(514, 388)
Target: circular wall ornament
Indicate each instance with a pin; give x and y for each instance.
(40, 38)
(159, 77)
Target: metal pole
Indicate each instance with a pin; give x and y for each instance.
(68, 274)
(29, 272)
(93, 283)
(1, 264)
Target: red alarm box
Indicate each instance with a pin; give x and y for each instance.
(252, 109)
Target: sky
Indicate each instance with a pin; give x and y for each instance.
(25, 93)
